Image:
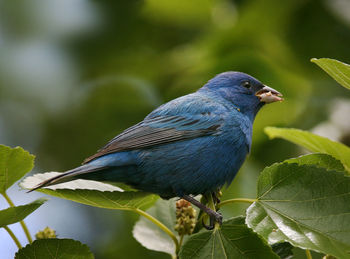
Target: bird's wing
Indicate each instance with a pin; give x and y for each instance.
(160, 130)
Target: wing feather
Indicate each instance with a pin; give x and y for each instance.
(157, 131)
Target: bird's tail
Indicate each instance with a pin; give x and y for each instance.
(68, 175)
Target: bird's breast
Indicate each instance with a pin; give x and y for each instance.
(193, 166)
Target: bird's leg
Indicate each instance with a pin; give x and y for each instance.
(216, 198)
(214, 216)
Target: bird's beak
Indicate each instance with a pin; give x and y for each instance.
(268, 95)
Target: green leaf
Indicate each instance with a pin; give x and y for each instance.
(233, 240)
(319, 160)
(150, 235)
(304, 205)
(336, 69)
(54, 248)
(18, 213)
(14, 164)
(313, 142)
(283, 250)
(92, 193)
(109, 200)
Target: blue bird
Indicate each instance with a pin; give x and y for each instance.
(192, 145)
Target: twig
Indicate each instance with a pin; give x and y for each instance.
(24, 226)
(13, 237)
(245, 200)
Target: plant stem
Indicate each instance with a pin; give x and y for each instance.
(26, 231)
(13, 237)
(246, 200)
(211, 203)
(161, 226)
(24, 226)
(308, 254)
(7, 198)
(181, 240)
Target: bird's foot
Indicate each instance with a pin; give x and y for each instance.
(214, 217)
(210, 226)
(218, 218)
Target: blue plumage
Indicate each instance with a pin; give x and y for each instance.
(188, 146)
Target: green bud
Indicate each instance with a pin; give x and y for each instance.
(46, 233)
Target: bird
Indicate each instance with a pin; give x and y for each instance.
(192, 145)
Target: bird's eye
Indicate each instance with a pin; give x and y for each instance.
(246, 84)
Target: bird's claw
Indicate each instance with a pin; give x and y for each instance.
(208, 227)
(216, 217)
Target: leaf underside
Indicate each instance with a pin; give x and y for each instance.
(106, 199)
(92, 193)
(150, 235)
(339, 71)
(18, 213)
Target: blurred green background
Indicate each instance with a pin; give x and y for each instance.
(73, 74)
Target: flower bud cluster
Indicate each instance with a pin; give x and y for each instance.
(185, 217)
(46, 233)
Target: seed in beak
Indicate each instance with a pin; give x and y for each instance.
(269, 95)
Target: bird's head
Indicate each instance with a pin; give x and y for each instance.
(242, 90)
